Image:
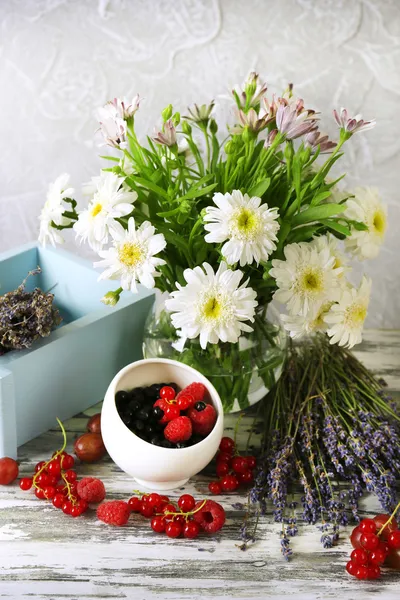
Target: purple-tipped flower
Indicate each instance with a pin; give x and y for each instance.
(293, 123)
(167, 137)
(252, 121)
(270, 138)
(315, 140)
(352, 124)
(250, 93)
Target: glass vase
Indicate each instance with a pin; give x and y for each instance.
(242, 373)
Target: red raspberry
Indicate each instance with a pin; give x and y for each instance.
(178, 430)
(211, 517)
(91, 489)
(115, 512)
(203, 421)
(197, 390)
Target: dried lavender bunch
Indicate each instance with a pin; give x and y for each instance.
(326, 422)
(26, 316)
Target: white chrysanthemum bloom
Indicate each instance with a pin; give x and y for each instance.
(329, 241)
(212, 305)
(249, 226)
(368, 208)
(345, 319)
(299, 325)
(53, 209)
(306, 279)
(132, 256)
(111, 200)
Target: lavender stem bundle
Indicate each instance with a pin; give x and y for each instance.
(329, 427)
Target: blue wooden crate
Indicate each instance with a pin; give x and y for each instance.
(70, 370)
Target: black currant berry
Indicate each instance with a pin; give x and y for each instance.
(121, 397)
(157, 413)
(138, 425)
(166, 444)
(150, 430)
(143, 414)
(155, 440)
(134, 406)
(199, 406)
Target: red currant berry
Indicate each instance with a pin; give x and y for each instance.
(154, 500)
(227, 445)
(169, 508)
(179, 519)
(75, 511)
(246, 477)
(252, 462)
(39, 493)
(172, 412)
(39, 465)
(167, 393)
(67, 461)
(158, 524)
(70, 476)
(135, 504)
(25, 483)
(54, 468)
(83, 504)
(49, 491)
(229, 483)
(147, 510)
(355, 537)
(222, 469)
(394, 539)
(186, 503)
(58, 500)
(384, 546)
(359, 556)
(173, 529)
(382, 521)
(61, 488)
(66, 507)
(362, 572)
(351, 568)
(374, 572)
(185, 401)
(191, 530)
(369, 541)
(223, 457)
(165, 498)
(377, 557)
(52, 480)
(367, 526)
(240, 464)
(42, 479)
(215, 487)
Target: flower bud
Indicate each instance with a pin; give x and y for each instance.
(176, 119)
(213, 126)
(186, 127)
(167, 113)
(111, 298)
(229, 147)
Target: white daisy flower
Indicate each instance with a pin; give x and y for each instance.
(367, 208)
(300, 325)
(306, 279)
(346, 318)
(111, 200)
(132, 256)
(332, 244)
(212, 305)
(53, 211)
(249, 226)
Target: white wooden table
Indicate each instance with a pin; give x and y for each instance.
(45, 554)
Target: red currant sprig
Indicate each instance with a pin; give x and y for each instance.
(374, 541)
(232, 468)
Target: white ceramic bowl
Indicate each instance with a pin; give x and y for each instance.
(154, 467)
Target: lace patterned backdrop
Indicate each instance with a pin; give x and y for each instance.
(60, 59)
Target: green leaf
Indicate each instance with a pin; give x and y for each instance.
(196, 193)
(260, 188)
(114, 158)
(358, 225)
(303, 234)
(318, 198)
(150, 185)
(336, 226)
(316, 213)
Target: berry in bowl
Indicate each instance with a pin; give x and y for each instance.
(161, 422)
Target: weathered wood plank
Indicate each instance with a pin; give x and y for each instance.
(44, 554)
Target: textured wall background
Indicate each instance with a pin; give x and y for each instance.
(60, 59)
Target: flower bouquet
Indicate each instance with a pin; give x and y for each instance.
(223, 223)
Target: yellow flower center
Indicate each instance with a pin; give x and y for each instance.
(131, 254)
(212, 309)
(379, 222)
(97, 208)
(311, 281)
(356, 314)
(244, 224)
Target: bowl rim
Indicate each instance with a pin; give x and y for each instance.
(175, 363)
